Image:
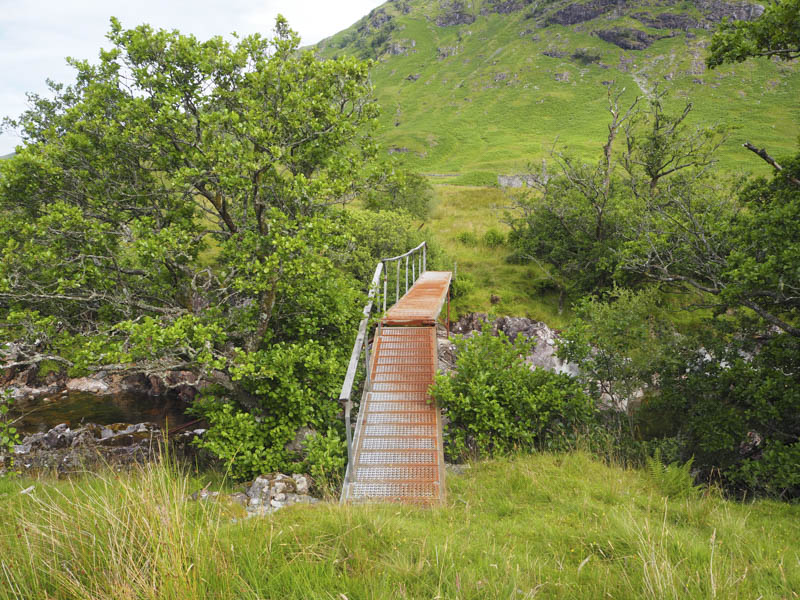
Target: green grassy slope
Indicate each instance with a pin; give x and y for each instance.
(483, 98)
(543, 526)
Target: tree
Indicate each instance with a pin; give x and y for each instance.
(168, 213)
(775, 34)
(569, 221)
(577, 221)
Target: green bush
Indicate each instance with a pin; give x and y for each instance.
(8, 433)
(462, 285)
(493, 238)
(326, 458)
(495, 403)
(468, 238)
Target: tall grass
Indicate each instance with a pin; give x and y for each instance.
(543, 526)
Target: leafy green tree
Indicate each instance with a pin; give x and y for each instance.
(618, 343)
(775, 34)
(576, 221)
(734, 403)
(402, 190)
(169, 212)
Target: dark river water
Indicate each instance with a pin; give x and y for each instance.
(77, 408)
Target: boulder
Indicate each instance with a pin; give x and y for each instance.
(88, 385)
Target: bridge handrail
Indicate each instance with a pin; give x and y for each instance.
(361, 343)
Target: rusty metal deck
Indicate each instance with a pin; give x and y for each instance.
(422, 303)
(398, 441)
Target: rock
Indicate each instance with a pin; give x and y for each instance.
(626, 37)
(562, 77)
(88, 385)
(543, 354)
(554, 53)
(667, 20)
(239, 498)
(579, 13)
(58, 437)
(301, 483)
(515, 181)
(413, 77)
(505, 7)
(298, 444)
(22, 449)
(716, 10)
(454, 12)
(401, 47)
(447, 51)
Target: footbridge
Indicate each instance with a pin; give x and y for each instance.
(395, 452)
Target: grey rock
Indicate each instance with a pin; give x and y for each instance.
(579, 13)
(88, 385)
(454, 12)
(298, 444)
(626, 37)
(301, 483)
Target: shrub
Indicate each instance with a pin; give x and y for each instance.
(493, 238)
(462, 285)
(468, 238)
(8, 433)
(495, 403)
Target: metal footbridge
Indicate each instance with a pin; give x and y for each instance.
(395, 453)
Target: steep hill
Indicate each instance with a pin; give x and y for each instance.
(475, 89)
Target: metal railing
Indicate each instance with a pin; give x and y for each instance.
(378, 287)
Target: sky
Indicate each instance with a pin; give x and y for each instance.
(37, 35)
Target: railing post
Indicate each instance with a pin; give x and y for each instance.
(384, 286)
(397, 284)
(425, 258)
(413, 271)
(406, 273)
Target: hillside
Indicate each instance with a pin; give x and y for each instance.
(470, 90)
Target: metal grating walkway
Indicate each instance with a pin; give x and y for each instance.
(423, 302)
(397, 447)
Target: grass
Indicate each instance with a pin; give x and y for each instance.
(460, 220)
(543, 526)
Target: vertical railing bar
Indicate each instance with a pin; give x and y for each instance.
(397, 283)
(425, 258)
(384, 286)
(413, 271)
(406, 274)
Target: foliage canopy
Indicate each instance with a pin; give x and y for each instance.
(172, 212)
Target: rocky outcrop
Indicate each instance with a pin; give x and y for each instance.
(515, 181)
(401, 47)
(716, 10)
(668, 21)
(505, 7)
(67, 450)
(543, 355)
(374, 21)
(580, 13)
(454, 12)
(447, 51)
(626, 38)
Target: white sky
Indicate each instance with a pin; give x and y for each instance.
(36, 35)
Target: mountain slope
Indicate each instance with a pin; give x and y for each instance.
(471, 90)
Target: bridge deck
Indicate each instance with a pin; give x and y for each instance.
(423, 302)
(397, 448)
